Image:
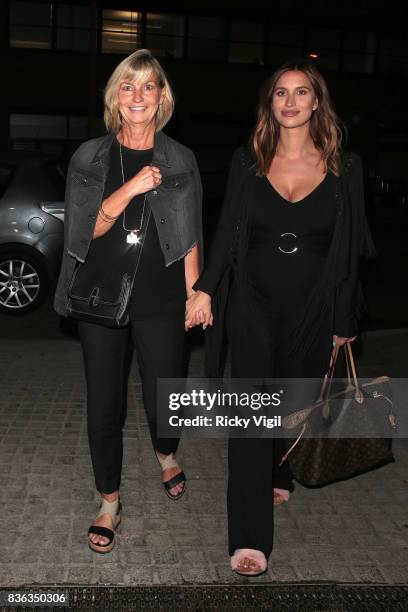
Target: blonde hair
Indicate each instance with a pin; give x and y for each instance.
(140, 64)
(325, 125)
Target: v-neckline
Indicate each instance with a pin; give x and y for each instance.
(302, 199)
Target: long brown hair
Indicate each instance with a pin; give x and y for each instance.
(325, 125)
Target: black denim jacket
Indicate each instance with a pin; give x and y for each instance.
(176, 203)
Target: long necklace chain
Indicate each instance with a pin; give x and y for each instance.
(133, 237)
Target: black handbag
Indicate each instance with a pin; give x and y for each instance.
(105, 298)
(357, 409)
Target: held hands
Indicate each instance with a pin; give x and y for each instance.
(148, 178)
(198, 310)
(340, 341)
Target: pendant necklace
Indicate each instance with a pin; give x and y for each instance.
(133, 235)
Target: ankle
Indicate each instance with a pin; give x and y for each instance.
(110, 497)
(166, 461)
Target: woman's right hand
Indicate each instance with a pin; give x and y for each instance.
(198, 310)
(148, 178)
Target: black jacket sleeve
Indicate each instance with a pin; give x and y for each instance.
(221, 249)
(349, 302)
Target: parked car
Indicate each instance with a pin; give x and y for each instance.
(31, 228)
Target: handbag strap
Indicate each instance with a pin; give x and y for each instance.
(350, 363)
(351, 367)
(352, 379)
(328, 377)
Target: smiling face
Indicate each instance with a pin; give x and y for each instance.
(294, 99)
(139, 100)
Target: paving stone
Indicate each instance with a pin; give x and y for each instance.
(217, 555)
(384, 556)
(395, 573)
(197, 575)
(166, 557)
(138, 575)
(337, 573)
(367, 573)
(190, 557)
(167, 575)
(22, 574)
(225, 575)
(48, 574)
(298, 556)
(109, 574)
(309, 572)
(341, 537)
(353, 556)
(79, 574)
(283, 573)
(80, 554)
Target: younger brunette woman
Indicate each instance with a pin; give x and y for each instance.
(283, 268)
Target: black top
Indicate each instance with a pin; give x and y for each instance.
(158, 290)
(303, 229)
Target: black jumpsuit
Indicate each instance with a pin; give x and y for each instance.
(288, 244)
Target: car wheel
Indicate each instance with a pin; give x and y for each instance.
(23, 282)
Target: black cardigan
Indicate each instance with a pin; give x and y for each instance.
(337, 288)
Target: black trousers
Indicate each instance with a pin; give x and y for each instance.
(159, 350)
(253, 469)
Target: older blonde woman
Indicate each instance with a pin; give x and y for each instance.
(131, 256)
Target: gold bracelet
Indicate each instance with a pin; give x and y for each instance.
(107, 218)
(101, 214)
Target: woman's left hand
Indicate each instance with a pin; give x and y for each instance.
(340, 341)
(198, 310)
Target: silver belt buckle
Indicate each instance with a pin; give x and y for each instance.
(293, 250)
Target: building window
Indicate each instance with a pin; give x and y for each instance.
(207, 38)
(393, 55)
(121, 31)
(30, 25)
(73, 27)
(323, 45)
(285, 42)
(358, 51)
(246, 42)
(48, 133)
(165, 35)
(37, 126)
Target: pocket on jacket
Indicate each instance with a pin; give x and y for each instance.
(176, 189)
(83, 187)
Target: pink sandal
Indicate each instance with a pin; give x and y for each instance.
(253, 557)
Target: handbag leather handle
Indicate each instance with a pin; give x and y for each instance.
(328, 377)
(351, 367)
(352, 379)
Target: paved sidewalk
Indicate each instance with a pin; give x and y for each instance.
(356, 531)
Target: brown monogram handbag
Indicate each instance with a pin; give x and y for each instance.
(367, 408)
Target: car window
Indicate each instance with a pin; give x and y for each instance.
(56, 173)
(6, 173)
